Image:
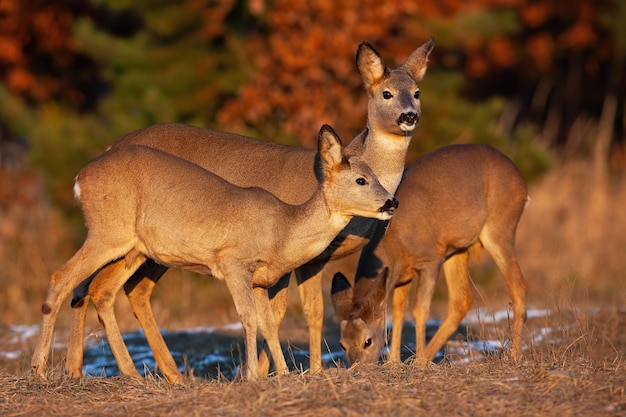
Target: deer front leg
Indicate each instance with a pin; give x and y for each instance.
(269, 329)
(75, 345)
(278, 295)
(239, 282)
(310, 287)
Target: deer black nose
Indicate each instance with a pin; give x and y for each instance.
(390, 204)
(408, 118)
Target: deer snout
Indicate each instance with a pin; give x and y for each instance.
(389, 206)
(409, 118)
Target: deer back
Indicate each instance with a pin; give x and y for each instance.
(450, 195)
(284, 171)
(177, 213)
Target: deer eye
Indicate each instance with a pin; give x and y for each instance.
(387, 95)
(361, 181)
(417, 94)
(367, 343)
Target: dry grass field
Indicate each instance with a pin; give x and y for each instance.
(578, 369)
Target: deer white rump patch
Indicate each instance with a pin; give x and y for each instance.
(76, 189)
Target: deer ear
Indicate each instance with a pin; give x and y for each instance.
(370, 64)
(372, 305)
(329, 146)
(377, 295)
(415, 64)
(341, 295)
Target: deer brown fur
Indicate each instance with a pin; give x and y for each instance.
(140, 203)
(453, 199)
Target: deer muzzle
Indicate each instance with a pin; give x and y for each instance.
(409, 118)
(389, 206)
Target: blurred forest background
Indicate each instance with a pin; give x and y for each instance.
(543, 80)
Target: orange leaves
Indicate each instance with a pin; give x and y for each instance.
(535, 14)
(10, 51)
(300, 54)
(52, 28)
(502, 52)
(213, 15)
(20, 80)
(578, 16)
(36, 37)
(579, 36)
(541, 50)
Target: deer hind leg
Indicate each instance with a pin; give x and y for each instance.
(103, 290)
(459, 301)
(421, 309)
(400, 302)
(138, 289)
(80, 302)
(75, 346)
(500, 243)
(278, 294)
(310, 286)
(89, 258)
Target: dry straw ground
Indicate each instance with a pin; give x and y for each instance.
(577, 369)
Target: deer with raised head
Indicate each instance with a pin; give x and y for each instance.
(393, 113)
(454, 199)
(140, 203)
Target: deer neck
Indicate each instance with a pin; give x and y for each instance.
(384, 152)
(314, 225)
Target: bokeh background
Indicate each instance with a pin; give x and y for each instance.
(544, 81)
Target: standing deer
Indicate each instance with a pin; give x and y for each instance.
(454, 199)
(141, 203)
(393, 113)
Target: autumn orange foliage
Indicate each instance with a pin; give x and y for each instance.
(36, 50)
(304, 73)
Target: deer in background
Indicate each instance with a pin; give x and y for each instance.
(454, 199)
(141, 203)
(393, 113)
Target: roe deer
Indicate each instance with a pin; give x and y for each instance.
(455, 198)
(141, 203)
(393, 113)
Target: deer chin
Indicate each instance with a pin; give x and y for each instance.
(407, 128)
(385, 215)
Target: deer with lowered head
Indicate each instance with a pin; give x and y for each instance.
(454, 199)
(141, 203)
(393, 113)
